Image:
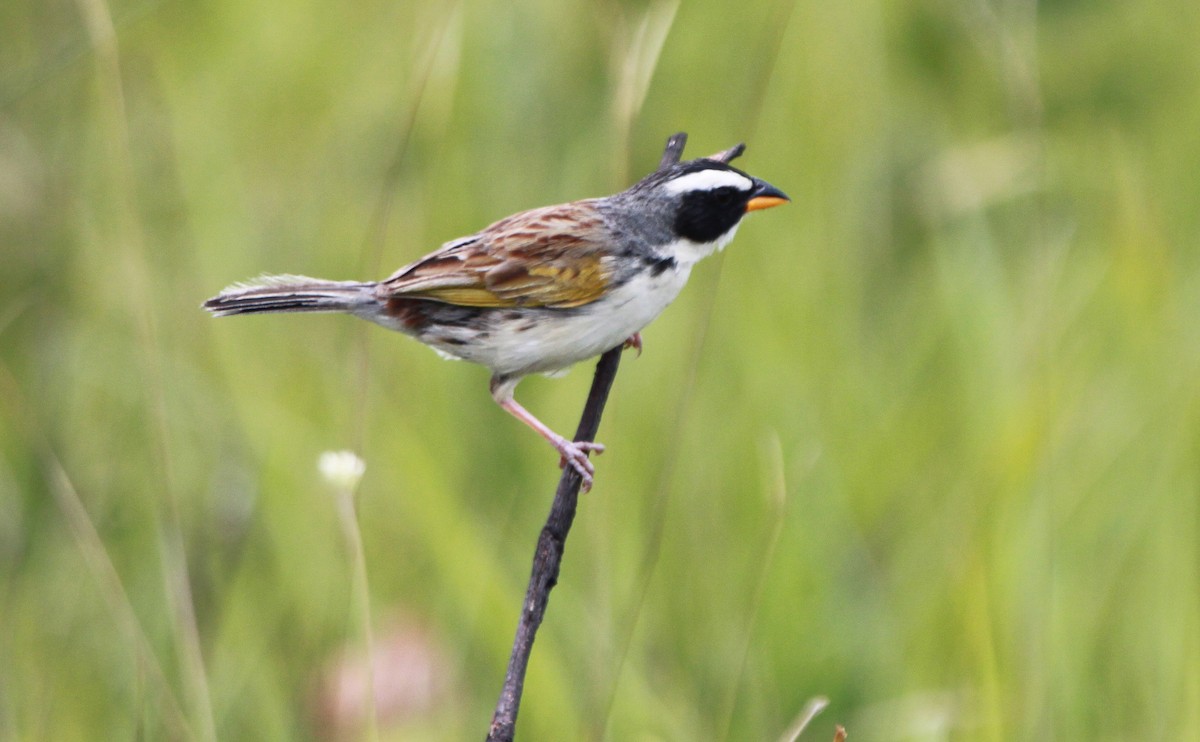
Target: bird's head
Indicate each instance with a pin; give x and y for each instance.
(704, 200)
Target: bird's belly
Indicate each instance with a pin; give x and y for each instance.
(543, 340)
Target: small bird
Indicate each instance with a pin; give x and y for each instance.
(541, 290)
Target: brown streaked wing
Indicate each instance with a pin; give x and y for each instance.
(548, 257)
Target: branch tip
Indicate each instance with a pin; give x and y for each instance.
(673, 152)
(732, 153)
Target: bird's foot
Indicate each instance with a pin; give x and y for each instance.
(634, 341)
(576, 453)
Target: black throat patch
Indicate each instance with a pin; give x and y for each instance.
(659, 264)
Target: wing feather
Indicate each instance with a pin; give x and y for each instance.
(549, 257)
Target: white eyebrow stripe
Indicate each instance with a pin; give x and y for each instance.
(707, 180)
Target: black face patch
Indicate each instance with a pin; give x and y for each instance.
(704, 216)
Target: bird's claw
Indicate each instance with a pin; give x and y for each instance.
(576, 453)
(634, 341)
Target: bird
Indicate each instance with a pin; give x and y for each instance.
(541, 290)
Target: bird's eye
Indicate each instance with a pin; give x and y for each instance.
(723, 196)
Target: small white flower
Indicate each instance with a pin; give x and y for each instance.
(341, 469)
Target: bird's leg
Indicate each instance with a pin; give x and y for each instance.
(634, 341)
(574, 453)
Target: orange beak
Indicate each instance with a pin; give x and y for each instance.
(765, 196)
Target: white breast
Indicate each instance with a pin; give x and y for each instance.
(559, 339)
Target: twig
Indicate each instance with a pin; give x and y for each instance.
(548, 557)
(673, 151)
(730, 154)
(553, 538)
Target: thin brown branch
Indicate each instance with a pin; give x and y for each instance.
(730, 154)
(548, 557)
(673, 151)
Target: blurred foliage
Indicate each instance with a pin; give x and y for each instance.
(924, 441)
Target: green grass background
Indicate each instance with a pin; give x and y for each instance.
(925, 441)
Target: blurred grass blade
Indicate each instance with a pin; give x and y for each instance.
(635, 62)
(138, 284)
(640, 58)
(776, 496)
(95, 556)
(802, 720)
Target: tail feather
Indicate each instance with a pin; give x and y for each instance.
(290, 294)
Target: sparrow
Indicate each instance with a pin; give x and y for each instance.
(541, 290)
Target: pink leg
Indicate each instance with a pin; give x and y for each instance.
(574, 453)
(634, 341)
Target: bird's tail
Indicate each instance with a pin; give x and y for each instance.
(291, 294)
